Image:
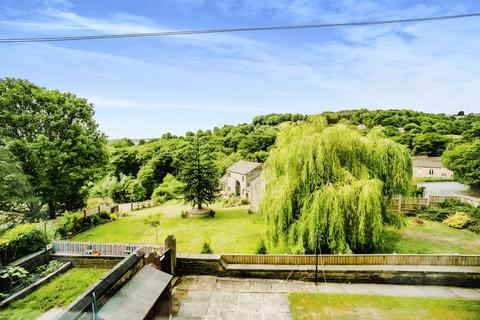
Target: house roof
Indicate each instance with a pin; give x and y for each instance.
(243, 167)
(427, 162)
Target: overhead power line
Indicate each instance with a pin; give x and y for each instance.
(207, 31)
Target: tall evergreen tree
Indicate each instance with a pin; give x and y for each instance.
(334, 184)
(199, 174)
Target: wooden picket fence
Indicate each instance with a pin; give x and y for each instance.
(102, 248)
(357, 259)
(143, 204)
(418, 203)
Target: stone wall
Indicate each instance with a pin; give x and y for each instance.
(214, 264)
(202, 264)
(83, 261)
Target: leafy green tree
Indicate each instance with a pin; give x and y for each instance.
(429, 144)
(17, 199)
(55, 138)
(170, 188)
(128, 189)
(153, 172)
(122, 143)
(464, 160)
(199, 174)
(124, 161)
(334, 184)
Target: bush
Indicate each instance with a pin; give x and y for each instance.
(169, 189)
(211, 213)
(113, 216)
(184, 214)
(459, 220)
(66, 225)
(206, 249)
(19, 241)
(104, 215)
(262, 248)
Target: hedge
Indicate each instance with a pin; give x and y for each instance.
(19, 241)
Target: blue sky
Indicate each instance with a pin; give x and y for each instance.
(145, 87)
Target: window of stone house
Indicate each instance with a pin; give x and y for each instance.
(430, 172)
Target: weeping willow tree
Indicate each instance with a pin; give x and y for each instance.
(333, 183)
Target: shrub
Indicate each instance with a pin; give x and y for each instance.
(104, 215)
(66, 225)
(113, 216)
(262, 248)
(244, 201)
(184, 214)
(169, 189)
(206, 249)
(211, 213)
(459, 220)
(19, 241)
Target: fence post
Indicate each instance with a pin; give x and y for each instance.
(98, 209)
(399, 204)
(171, 243)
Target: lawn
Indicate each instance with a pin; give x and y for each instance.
(59, 292)
(346, 306)
(430, 237)
(234, 230)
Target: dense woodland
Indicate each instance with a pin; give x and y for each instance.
(53, 157)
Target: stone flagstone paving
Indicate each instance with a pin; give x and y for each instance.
(209, 297)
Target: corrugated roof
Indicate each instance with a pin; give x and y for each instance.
(243, 167)
(427, 162)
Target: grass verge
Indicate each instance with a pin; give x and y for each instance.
(346, 306)
(58, 292)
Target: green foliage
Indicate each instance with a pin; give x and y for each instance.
(459, 220)
(448, 209)
(463, 159)
(274, 119)
(153, 221)
(14, 274)
(206, 249)
(125, 162)
(429, 144)
(46, 269)
(122, 143)
(73, 222)
(333, 182)
(16, 193)
(262, 248)
(198, 175)
(128, 189)
(55, 139)
(169, 189)
(19, 241)
(59, 292)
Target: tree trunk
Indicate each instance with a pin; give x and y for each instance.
(51, 210)
(199, 206)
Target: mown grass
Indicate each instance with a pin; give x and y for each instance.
(431, 237)
(234, 230)
(347, 306)
(59, 292)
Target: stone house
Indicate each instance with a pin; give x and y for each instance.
(243, 179)
(430, 167)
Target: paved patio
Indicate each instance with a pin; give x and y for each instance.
(209, 297)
